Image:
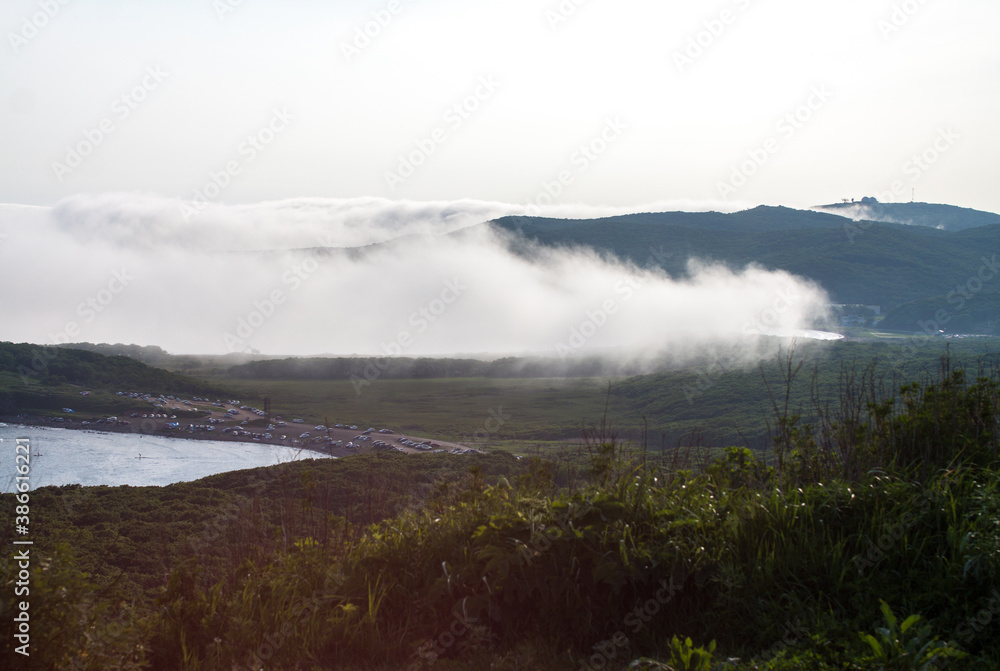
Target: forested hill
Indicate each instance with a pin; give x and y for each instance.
(944, 217)
(25, 366)
(855, 261)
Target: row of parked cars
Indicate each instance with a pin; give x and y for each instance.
(422, 445)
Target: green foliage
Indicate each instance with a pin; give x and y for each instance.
(976, 315)
(386, 561)
(685, 657)
(871, 264)
(73, 624)
(90, 369)
(905, 646)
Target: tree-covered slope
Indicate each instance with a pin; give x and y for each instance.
(38, 378)
(856, 262)
(933, 215)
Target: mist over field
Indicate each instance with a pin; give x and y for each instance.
(366, 277)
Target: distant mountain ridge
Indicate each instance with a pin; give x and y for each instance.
(863, 262)
(942, 217)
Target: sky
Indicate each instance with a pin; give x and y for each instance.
(152, 149)
(633, 101)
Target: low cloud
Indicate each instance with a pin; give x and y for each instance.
(859, 212)
(395, 277)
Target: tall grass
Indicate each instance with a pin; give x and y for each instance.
(883, 497)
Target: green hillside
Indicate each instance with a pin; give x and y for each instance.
(952, 313)
(856, 262)
(944, 217)
(867, 543)
(39, 379)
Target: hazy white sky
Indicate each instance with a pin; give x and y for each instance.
(290, 99)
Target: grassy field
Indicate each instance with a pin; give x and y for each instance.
(501, 410)
(705, 403)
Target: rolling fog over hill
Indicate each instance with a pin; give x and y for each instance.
(855, 261)
(448, 279)
(612, 358)
(130, 265)
(943, 217)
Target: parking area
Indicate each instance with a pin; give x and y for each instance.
(232, 420)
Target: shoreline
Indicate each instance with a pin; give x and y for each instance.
(217, 436)
(77, 425)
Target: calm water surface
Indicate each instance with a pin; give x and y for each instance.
(64, 457)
